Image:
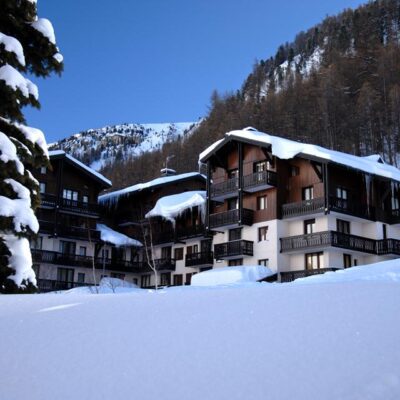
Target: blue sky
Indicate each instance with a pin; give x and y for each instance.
(158, 60)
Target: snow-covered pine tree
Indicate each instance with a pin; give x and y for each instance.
(27, 46)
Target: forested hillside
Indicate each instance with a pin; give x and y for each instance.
(337, 85)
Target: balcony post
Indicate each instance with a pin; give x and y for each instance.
(240, 190)
(325, 178)
(208, 193)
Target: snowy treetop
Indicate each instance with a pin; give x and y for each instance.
(170, 207)
(286, 149)
(114, 196)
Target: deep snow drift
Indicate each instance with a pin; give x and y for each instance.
(324, 340)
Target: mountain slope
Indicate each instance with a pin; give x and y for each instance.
(118, 143)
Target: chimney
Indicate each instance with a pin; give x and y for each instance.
(168, 172)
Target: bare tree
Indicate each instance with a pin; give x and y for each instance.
(149, 248)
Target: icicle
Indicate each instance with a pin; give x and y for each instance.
(367, 178)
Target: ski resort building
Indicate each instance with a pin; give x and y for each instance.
(299, 209)
(166, 216)
(71, 240)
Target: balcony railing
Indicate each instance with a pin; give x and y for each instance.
(47, 285)
(165, 264)
(233, 248)
(74, 232)
(346, 206)
(388, 246)
(225, 188)
(328, 238)
(75, 206)
(292, 275)
(199, 259)
(303, 207)
(262, 179)
(231, 217)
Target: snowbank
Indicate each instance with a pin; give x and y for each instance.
(388, 271)
(170, 207)
(286, 149)
(106, 286)
(116, 238)
(231, 275)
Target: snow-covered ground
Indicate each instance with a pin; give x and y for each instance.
(332, 339)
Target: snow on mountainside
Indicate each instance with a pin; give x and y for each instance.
(99, 147)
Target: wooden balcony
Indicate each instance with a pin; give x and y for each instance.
(233, 249)
(224, 190)
(231, 218)
(328, 239)
(292, 275)
(259, 181)
(165, 264)
(48, 285)
(176, 235)
(68, 206)
(201, 259)
(388, 246)
(305, 207)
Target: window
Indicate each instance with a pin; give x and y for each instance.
(67, 247)
(117, 275)
(135, 281)
(81, 277)
(36, 269)
(341, 193)
(294, 170)
(384, 231)
(355, 262)
(82, 250)
(42, 187)
(261, 166)
(37, 243)
(233, 204)
(189, 278)
(165, 279)
(263, 262)
(343, 226)
(314, 260)
(309, 226)
(145, 281)
(105, 253)
(70, 194)
(65, 274)
(166, 252)
(43, 170)
(235, 262)
(262, 202)
(346, 260)
(262, 233)
(235, 234)
(192, 249)
(308, 193)
(178, 280)
(85, 199)
(233, 173)
(395, 203)
(178, 253)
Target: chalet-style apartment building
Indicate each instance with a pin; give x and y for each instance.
(297, 208)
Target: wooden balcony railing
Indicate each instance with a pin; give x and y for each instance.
(233, 248)
(199, 259)
(80, 207)
(263, 178)
(328, 238)
(224, 188)
(165, 264)
(48, 285)
(231, 217)
(388, 246)
(73, 232)
(303, 207)
(292, 275)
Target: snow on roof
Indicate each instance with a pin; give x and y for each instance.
(114, 196)
(170, 207)
(231, 275)
(118, 239)
(287, 149)
(54, 153)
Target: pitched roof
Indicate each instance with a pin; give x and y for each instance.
(287, 149)
(55, 154)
